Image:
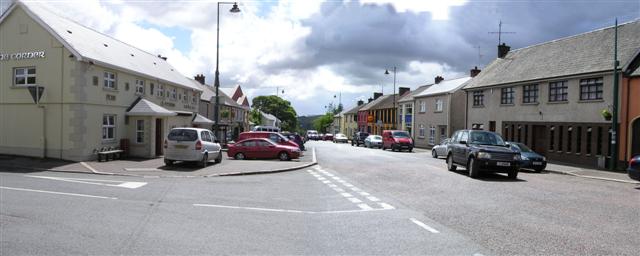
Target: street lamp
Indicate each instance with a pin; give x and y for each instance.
(216, 82)
(386, 72)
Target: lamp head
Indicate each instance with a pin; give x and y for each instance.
(386, 71)
(235, 8)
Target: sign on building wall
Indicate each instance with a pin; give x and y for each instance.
(22, 55)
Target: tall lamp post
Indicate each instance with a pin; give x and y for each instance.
(386, 72)
(216, 82)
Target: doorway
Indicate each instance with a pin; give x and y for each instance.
(492, 126)
(635, 137)
(159, 136)
(539, 139)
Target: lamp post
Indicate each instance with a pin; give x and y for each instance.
(386, 72)
(216, 82)
(278, 90)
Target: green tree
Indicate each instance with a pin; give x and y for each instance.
(322, 123)
(255, 116)
(280, 108)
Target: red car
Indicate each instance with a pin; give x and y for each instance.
(273, 136)
(396, 140)
(254, 148)
(328, 137)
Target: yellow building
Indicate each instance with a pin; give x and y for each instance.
(97, 91)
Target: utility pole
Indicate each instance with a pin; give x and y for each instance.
(500, 32)
(614, 121)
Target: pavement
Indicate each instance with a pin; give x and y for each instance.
(156, 167)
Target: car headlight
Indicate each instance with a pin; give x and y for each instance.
(517, 157)
(524, 158)
(484, 155)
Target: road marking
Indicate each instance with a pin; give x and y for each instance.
(373, 199)
(386, 206)
(354, 200)
(140, 169)
(347, 185)
(286, 210)
(356, 189)
(88, 167)
(337, 189)
(365, 207)
(422, 225)
(314, 156)
(364, 193)
(122, 184)
(57, 193)
(332, 185)
(321, 178)
(326, 181)
(346, 194)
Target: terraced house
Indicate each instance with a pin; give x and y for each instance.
(551, 96)
(407, 110)
(92, 91)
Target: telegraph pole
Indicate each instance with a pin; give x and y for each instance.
(614, 121)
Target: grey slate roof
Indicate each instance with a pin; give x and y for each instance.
(354, 110)
(410, 96)
(584, 53)
(374, 103)
(209, 94)
(446, 86)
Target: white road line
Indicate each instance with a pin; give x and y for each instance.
(122, 184)
(132, 184)
(365, 207)
(373, 199)
(355, 189)
(354, 200)
(346, 194)
(57, 193)
(364, 193)
(321, 178)
(332, 185)
(422, 225)
(337, 189)
(386, 206)
(285, 210)
(329, 174)
(326, 181)
(347, 185)
(314, 156)
(88, 167)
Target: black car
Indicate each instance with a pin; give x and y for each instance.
(634, 168)
(529, 158)
(478, 151)
(358, 138)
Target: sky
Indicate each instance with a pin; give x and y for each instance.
(321, 52)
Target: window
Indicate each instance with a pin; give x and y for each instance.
(526, 134)
(139, 131)
(421, 131)
(108, 127)
(506, 95)
(24, 76)
(552, 134)
(151, 88)
(478, 98)
(589, 136)
(560, 134)
(206, 136)
(409, 109)
(160, 91)
(174, 94)
(579, 140)
(558, 91)
(423, 106)
(443, 133)
(569, 137)
(599, 142)
(109, 80)
(194, 98)
(139, 86)
(432, 135)
(438, 105)
(591, 89)
(530, 93)
(185, 96)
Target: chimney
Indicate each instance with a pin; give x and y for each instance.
(403, 90)
(200, 78)
(439, 79)
(503, 49)
(160, 56)
(475, 71)
(360, 102)
(376, 95)
(370, 100)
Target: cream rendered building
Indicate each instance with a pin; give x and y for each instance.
(98, 91)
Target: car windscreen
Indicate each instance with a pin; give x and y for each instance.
(523, 147)
(400, 135)
(183, 135)
(377, 137)
(485, 138)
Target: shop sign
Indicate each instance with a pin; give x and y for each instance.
(22, 55)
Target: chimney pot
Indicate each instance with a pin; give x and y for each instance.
(370, 100)
(438, 79)
(360, 102)
(403, 90)
(475, 71)
(376, 95)
(503, 49)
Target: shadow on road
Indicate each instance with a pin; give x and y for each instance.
(489, 176)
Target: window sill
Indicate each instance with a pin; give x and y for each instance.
(22, 86)
(530, 103)
(558, 102)
(438, 111)
(109, 89)
(478, 106)
(590, 101)
(109, 141)
(507, 105)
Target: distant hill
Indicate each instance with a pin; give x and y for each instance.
(306, 122)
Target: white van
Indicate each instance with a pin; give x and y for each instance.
(191, 144)
(266, 129)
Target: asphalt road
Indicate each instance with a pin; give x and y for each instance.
(356, 201)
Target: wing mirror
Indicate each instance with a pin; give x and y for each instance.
(463, 142)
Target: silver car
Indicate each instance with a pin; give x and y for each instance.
(440, 149)
(373, 141)
(192, 145)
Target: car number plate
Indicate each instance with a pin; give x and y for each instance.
(537, 163)
(503, 164)
(180, 146)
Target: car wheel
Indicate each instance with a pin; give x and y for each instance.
(239, 156)
(472, 167)
(168, 162)
(538, 170)
(283, 156)
(452, 167)
(205, 160)
(219, 158)
(513, 174)
(434, 154)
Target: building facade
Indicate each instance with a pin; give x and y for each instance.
(550, 96)
(406, 108)
(351, 119)
(95, 92)
(630, 110)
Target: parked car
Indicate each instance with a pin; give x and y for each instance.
(265, 129)
(273, 136)
(327, 136)
(340, 138)
(440, 149)
(298, 140)
(193, 145)
(373, 141)
(311, 135)
(358, 138)
(478, 150)
(254, 148)
(529, 158)
(634, 168)
(396, 140)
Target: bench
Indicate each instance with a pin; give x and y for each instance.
(109, 152)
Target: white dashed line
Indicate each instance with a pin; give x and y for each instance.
(56, 193)
(332, 185)
(347, 185)
(373, 199)
(346, 194)
(354, 200)
(422, 225)
(386, 206)
(365, 207)
(339, 190)
(326, 182)
(355, 189)
(364, 193)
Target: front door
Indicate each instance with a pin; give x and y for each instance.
(539, 139)
(635, 137)
(492, 126)
(159, 137)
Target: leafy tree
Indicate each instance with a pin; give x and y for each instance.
(322, 123)
(280, 108)
(255, 116)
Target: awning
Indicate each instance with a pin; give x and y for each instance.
(199, 119)
(183, 113)
(142, 107)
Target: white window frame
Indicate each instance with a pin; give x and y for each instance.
(160, 91)
(421, 132)
(107, 126)
(432, 135)
(194, 98)
(439, 105)
(140, 131)
(139, 87)
(109, 80)
(185, 96)
(423, 106)
(174, 94)
(25, 76)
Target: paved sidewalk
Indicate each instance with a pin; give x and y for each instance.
(591, 173)
(155, 167)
